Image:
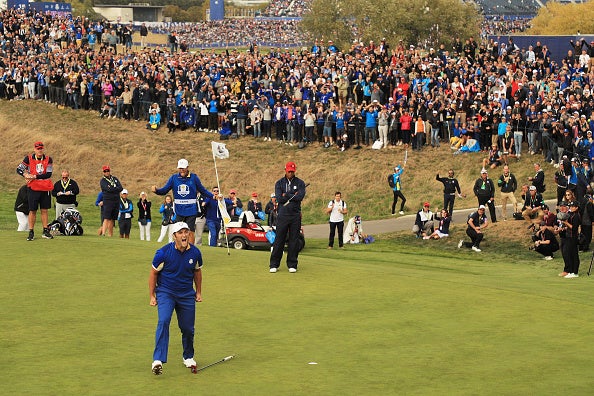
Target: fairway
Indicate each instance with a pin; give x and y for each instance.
(377, 319)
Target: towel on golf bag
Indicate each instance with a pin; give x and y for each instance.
(68, 223)
(271, 236)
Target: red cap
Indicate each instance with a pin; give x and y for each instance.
(106, 168)
(233, 191)
(254, 194)
(427, 204)
(290, 166)
(38, 145)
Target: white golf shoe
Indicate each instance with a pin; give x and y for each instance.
(292, 270)
(273, 270)
(157, 367)
(190, 362)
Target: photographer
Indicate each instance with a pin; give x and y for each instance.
(568, 221)
(545, 241)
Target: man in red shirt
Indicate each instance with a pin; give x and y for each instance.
(37, 169)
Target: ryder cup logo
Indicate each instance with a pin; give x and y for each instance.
(39, 168)
(183, 190)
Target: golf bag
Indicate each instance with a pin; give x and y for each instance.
(68, 223)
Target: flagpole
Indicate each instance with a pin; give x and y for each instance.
(214, 158)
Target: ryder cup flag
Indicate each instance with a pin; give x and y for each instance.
(224, 214)
(219, 150)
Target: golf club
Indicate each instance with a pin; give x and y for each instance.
(195, 370)
(286, 203)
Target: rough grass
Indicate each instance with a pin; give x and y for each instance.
(81, 142)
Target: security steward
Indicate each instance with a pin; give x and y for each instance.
(289, 191)
(484, 189)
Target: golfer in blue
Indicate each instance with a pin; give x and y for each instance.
(176, 269)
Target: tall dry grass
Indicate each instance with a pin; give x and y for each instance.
(82, 142)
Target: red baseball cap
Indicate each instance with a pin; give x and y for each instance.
(106, 168)
(290, 166)
(38, 145)
(427, 204)
(254, 194)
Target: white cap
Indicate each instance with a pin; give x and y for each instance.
(175, 227)
(482, 207)
(182, 163)
(124, 191)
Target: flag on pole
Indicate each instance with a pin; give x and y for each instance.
(224, 213)
(219, 150)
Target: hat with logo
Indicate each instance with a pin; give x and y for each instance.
(38, 145)
(106, 168)
(182, 163)
(175, 227)
(290, 166)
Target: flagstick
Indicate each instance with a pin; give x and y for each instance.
(219, 186)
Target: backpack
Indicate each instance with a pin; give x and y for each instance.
(391, 181)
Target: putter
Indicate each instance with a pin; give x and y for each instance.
(591, 261)
(286, 203)
(196, 370)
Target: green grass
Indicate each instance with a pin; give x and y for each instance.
(394, 317)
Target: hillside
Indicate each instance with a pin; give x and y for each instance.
(82, 142)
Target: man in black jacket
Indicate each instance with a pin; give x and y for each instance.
(484, 189)
(450, 187)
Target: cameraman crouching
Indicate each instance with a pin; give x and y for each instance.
(545, 241)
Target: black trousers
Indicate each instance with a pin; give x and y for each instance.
(571, 257)
(475, 237)
(448, 202)
(398, 194)
(286, 225)
(333, 226)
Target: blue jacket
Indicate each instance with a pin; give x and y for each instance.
(185, 190)
(124, 210)
(370, 118)
(212, 208)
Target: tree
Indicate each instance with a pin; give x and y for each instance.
(419, 22)
(563, 19)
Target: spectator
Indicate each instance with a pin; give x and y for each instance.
(443, 230)
(234, 205)
(336, 208)
(545, 242)
(168, 218)
(144, 217)
(533, 203)
(353, 232)
(423, 222)
(272, 210)
(394, 183)
(126, 212)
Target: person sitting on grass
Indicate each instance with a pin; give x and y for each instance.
(443, 230)
(494, 159)
(423, 222)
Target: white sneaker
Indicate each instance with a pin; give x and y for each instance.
(426, 237)
(292, 270)
(460, 243)
(190, 362)
(548, 258)
(273, 270)
(569, 276)
(401, 212)
(476, 249)
(157, 367)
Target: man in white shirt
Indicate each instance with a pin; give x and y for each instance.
(337, 208)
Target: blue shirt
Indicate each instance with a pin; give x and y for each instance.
(176, 269)
(185, 190)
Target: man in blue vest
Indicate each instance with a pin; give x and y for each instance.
(185, 187)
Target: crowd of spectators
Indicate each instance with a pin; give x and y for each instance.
(286, 8)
